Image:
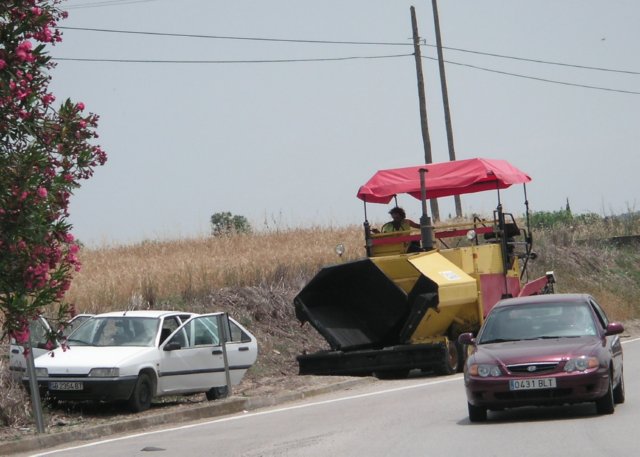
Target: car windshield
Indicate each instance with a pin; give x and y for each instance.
(115, 331)
(538, 321)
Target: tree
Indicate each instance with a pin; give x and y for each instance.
(44, 154)
(225, 223)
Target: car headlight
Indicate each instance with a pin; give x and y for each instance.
(581, 364)
(104, 373)
(42, 373)
(484, 370)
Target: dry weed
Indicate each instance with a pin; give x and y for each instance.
(15, 407)
(175, 273)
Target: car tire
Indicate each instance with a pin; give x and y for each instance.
(618, 392)
(142, 394)
(605, 404)
(450, 359)
(217, 393)
(477, 413)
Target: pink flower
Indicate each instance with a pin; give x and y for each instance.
(47, 99)
(21, 336)
(23, 52)
(42, 192)
(82, 124)
(3, 64)
(80, 106)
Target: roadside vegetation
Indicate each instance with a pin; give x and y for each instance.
(255, 276)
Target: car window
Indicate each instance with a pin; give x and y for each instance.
(75, 323)
(237, 334)
(38, 333)
(538, 321)
(602, 317)
(200, 331)
(116, 331)
(169, 325)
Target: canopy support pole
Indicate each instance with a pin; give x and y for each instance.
(528, 236)
(367, 230)
(426, 229)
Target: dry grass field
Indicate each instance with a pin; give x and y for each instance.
(255, 277)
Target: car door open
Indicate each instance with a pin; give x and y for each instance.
(192, 357)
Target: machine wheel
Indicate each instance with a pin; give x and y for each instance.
(217, 393)
(392, 374)
(606, 404)
(618, 392)
(477, 413)
(450, 359)
(142, 394)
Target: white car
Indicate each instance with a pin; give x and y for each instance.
(138, 355)
(40, 331)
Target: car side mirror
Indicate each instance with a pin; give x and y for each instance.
(614, 328)
(466, 338)
(172, 346)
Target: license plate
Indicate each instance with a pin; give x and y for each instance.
(65, 385)
(532, 383)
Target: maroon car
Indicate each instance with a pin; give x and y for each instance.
(544, 350)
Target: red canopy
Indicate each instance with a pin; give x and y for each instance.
(442, 179)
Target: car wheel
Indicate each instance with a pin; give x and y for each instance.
(618, 392)
(477, 413)
(605, 404)
(217, 393)
(450, 359)
(142, 394)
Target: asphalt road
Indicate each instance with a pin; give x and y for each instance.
(422, 416)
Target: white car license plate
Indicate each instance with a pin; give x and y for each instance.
(65, 385)
(533, 383)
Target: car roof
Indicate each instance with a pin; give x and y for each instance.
(545, 298)
(144, 313)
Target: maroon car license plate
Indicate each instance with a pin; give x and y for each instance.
(532, 383)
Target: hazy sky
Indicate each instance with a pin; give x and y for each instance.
(287, 144)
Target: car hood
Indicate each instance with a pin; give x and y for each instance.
(547, 350)
(80, 359)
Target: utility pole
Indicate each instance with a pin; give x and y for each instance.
(445, 98)
(423, 107)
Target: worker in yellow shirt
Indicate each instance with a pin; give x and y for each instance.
(399, 221)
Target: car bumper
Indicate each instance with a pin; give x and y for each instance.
(494, 393)
(96, 389)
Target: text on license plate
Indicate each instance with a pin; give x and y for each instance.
(65, 385)
(533, 383)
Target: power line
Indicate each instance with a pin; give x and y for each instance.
(336, 59)
(229, 37)
(324, 59)
(536, 78)
(547, 62)
(376, 43)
